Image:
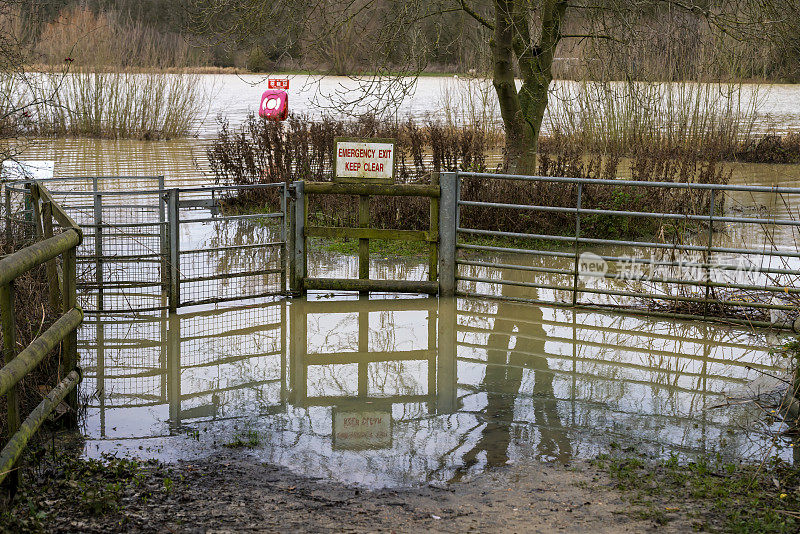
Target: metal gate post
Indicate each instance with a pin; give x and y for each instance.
(163, 232)
(98, 244)
(448, 207)
(708, 252)
(173, 227)
(575, 280)
(284, 237)
(298, 256)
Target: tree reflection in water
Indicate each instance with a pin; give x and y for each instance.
(516, 344)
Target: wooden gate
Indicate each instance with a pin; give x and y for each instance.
(301, 191)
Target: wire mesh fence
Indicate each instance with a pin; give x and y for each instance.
(228, 242)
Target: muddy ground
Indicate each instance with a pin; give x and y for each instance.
(232, 493)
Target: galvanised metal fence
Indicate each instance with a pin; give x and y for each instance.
(148, 247)
(226, 242)
(712, 250)
(723, 251)
(49, 248)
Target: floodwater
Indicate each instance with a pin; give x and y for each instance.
(389, 392)
(440, 97)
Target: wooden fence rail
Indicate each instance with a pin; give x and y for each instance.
(62, 284)
(301, 231)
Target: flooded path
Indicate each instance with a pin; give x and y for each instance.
(446, 389)
(397, 392)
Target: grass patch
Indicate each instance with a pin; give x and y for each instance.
(61, 485)
(244, 439)
(718, 496)
(378, 248)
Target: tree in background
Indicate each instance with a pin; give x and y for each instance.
(20, 91)
(385, 44)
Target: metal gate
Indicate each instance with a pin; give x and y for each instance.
(225, 243)
(148, 248)
(730, 252)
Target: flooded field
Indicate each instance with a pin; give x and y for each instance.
(439, 97)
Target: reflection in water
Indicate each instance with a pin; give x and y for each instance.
(516, 342)
(395, 392)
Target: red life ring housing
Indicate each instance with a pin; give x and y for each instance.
(274, 105)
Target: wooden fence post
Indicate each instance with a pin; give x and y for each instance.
(363, 244)
(9, 353)
(433, 228)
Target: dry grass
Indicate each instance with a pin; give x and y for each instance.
(624, 117)
(98, 77)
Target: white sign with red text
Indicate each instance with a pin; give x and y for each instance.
(365, 160)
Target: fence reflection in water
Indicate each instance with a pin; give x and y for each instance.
(465, 384)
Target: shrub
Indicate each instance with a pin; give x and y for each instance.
(258, 61)
(268, 152)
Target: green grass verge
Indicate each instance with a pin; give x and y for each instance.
(716, 496)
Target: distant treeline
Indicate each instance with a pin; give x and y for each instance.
(452, 41)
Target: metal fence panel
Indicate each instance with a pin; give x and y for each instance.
(718, 251)
(217, 244)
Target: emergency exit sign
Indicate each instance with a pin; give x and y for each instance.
(365, 160)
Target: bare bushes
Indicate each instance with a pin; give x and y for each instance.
(106, 39)
(771, 148)
(101, 78)
(707, 119)
(117, 104)
(266, 152)
(573, 163)
(300, 149)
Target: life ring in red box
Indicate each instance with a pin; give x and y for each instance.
(274, 105)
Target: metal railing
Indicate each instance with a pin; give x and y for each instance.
(246, 255)
(717, 265)
(148, 248)
(62, 289)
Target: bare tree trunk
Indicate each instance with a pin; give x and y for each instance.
(519, 136)
(523, 110)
